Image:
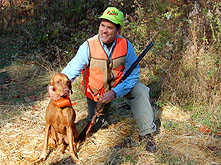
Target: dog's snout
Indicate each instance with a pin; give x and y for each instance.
(66, 89)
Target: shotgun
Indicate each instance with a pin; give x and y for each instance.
(100, 105)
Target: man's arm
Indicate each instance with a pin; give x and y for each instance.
(73, 68)
(81, 60)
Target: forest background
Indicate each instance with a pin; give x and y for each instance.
(183, 71)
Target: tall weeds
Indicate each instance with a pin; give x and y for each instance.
(194, 82)
(185, 62)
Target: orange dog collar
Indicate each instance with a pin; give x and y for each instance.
(64, 102)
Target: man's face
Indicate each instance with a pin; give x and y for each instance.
(108, 31)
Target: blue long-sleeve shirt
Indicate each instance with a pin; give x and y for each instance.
(82, 58)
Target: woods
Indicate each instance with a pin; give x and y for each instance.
(183, 69)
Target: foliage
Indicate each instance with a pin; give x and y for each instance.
(51, 29)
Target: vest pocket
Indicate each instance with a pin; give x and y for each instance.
(118, 73)
(96, 79)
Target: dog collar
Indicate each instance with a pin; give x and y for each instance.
(64, 102)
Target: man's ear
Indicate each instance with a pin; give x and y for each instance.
(118, 31)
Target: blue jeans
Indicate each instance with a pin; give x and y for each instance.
(139, 100)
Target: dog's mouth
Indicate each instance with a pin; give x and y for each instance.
(65, 94)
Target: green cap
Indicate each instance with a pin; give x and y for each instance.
(114, 15)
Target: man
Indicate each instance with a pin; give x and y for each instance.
(103, 59)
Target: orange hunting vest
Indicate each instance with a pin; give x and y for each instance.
(102, 74)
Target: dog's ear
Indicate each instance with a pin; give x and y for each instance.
(51, 82)
(70, 87)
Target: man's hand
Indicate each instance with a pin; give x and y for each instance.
(108, 97)
(52, 94)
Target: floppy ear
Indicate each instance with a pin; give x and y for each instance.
(51, 82)
(70, 87)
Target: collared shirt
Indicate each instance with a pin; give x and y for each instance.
(82, 58)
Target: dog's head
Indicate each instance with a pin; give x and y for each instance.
(61, 84)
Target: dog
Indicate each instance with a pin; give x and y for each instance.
(60, 126)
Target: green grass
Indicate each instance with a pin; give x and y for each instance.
(167, 157)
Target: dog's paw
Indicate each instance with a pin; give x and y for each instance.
(43, 156)
(78, 163)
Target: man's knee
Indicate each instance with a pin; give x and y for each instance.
(139, 90)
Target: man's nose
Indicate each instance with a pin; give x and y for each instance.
(104, 30)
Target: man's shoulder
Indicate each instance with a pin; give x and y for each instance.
(94, 37)
(119, 36)
(86, 42)
(128, 42)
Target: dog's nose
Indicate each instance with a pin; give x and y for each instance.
(66, 89)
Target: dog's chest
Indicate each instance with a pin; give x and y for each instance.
(63, 116)
(59, 118)
(61, 121)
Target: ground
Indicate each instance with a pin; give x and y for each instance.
(22, 110)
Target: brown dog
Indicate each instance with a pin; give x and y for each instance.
(60, 124)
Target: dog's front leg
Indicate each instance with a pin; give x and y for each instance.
(45, 144)
(71, 144)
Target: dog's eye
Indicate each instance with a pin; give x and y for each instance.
(58, 82)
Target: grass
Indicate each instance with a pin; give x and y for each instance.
(177, 141)
(166, 157)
